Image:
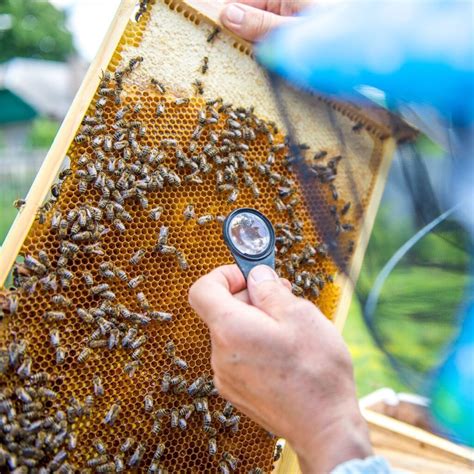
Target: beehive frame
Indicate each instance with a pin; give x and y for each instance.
(71, 123)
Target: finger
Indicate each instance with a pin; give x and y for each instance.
(286, 283)
(248, 22)
(267, 292)
(260, 4)
(243, 296)
(215, 291)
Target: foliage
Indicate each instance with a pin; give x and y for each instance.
(34, 29)
(42, 133)
(9, 193)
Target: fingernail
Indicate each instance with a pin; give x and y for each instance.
(262, 273)
(234, 14)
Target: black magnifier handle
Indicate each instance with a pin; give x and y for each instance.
(250, 237)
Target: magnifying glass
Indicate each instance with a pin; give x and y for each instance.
(250, 237)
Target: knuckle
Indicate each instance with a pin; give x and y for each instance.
(265, 23)
(266, 293)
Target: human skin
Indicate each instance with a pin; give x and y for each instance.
(281, 362)
(252, 19)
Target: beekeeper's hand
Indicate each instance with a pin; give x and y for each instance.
(252, 19)
(280, 361)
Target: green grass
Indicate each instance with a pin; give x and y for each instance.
(11, 190)
(371, 368)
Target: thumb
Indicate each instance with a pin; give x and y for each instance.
(249, 23)
(267, 292)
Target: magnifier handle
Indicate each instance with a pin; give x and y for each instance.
(247, 265)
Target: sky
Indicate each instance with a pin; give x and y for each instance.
(88, 21)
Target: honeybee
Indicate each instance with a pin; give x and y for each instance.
(137, 108)
(182, 424)
(96, 343)
(223, 468)
(24, 371)
(182, 262)
(112, 414)
(134, 62)
(136, 354)
(220, 417)
(19, 203)
(182, 101)
(97, 289)
(232, 197)
(345, 208)
(160, 109)
(54, 315)
(84, 355)
(194, 388)
(169, 143)
(205, 219)
(97, 461)
(156, 428)
(80, 138)
(121, 145)
(189, 212)
(99, 446)
(134, 282)
(58, 459)
(129, 337)
(142, 300)
(205, 65)
(182, 364)
(71, 441)
(101, 103)
(119, 464)
(227, 411)
(231, 460)
(196, 135)
(148, 403)
(160, 316)
(155, 213)
(165, 383)
(119, 225)
(159, 86)
(212, 446)
(54, 337)
(160, 449)
(127, 444)
(212, 35)
(137, 456)
(137, 256)
(198, 87)
(113, 338)
(136, 343)
(174, 418)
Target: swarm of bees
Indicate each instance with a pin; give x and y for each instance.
(120, 168)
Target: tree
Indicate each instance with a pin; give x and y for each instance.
(33, 29)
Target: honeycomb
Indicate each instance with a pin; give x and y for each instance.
(100, 297)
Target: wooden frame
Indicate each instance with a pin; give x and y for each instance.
(404, 445)
(55, 158)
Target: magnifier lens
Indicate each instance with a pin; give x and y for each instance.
(249, 233)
